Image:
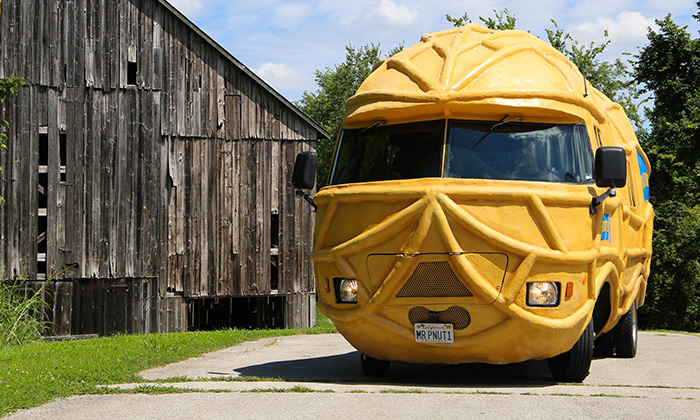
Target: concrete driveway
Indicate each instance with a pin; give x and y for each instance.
(318, 377)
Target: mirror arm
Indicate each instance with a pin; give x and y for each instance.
(306, 197)
(597, 201)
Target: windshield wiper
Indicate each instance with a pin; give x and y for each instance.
(371, 126)
(493, 127)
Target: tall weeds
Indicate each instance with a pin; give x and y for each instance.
(22, 311)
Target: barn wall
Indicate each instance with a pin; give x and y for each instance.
(140, 151)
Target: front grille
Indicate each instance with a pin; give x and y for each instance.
(433, 279)
(456, 315)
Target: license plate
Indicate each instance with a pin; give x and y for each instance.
(434, 333)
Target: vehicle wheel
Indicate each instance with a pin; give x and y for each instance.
(374, 367)
(625, 334)
(574, 365)
(603, 345)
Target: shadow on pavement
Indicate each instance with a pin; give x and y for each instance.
(345, 368)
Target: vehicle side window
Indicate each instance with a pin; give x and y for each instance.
(644, 176)
(633, 185)
(598, 138)
(389, 152)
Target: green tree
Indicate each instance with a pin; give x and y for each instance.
(668, 68)
(335, 85)
(8, 86)
(503, 20)
(610, 77)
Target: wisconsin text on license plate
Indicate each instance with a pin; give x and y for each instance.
(434, 333)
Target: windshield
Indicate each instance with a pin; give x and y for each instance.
(506, 149)
(390, 152)
(519, 151)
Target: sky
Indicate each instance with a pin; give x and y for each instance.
(285, 42)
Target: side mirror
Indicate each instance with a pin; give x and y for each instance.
(610, 172)
(304, 174)
(610, 167)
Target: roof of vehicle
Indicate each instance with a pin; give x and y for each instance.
(477, 72)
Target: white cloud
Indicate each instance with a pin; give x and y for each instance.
(280, 76)
(390, 13)
(627, 28)
(187, 7)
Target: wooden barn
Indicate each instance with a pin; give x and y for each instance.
(147, 174)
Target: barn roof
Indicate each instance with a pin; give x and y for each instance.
(244, 69)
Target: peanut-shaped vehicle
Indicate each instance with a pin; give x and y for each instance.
(485, 204)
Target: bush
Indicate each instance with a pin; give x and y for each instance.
(21, 312)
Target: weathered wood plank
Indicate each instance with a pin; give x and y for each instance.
(109, 194)
(172, 184)
(111, 63)
(145, 43)
(62, 308)
(6, 32)
(121, 186)
(210, 227)
(224, 258)
(96, 23)
(42, 55)
(148, 211)
(157, 81)
(161, 148)
(124, 9)
(264, 214)
(29, 133)
(246, 219)
(275, 166)
(158, 55)
(27, 39)
(55, 45)
(74, 187)
(131, 181)
(79, 42)
(93, 131)
(196, 218)
(220, 90)
(180, 92)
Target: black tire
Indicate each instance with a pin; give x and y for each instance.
(374, 367)
(603, 345)
(574, 365)
(625, 334)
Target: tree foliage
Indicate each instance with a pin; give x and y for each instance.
(335, 85)
(501, 21)
(668, 67)
(8, 86)
(610, 77)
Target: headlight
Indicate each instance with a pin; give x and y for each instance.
(345, 290)
(543, 293)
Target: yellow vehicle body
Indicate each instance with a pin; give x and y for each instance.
(461, 251)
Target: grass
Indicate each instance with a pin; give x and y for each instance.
(36, 373)
(156, 390)
(184, 379)
(294, 389)
(403, 391)
(18, 304)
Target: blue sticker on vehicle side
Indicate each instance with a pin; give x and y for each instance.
(606, 229)
(644, 173)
